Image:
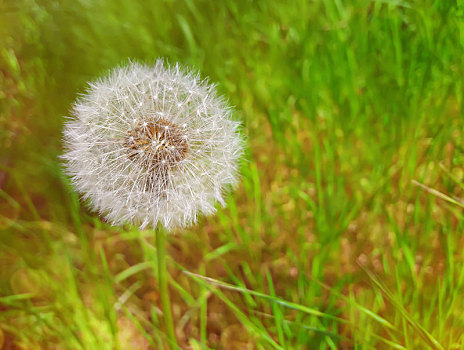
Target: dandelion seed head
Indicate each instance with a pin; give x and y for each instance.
(152, 145)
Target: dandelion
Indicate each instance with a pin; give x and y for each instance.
(149, 145)
(155, 147)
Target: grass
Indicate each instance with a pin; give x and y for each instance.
(347, 229)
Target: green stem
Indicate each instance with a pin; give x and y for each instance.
(163, 286)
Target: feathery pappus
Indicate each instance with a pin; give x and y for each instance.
(152, 144)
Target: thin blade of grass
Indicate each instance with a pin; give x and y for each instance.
(287, 304)
(439, 194)
(415, 325)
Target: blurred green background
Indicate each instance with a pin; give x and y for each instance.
(347, 229)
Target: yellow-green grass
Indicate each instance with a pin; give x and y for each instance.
(347, 229)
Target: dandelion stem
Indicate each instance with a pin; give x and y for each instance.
(163, 286)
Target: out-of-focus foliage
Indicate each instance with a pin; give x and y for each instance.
(344, 103)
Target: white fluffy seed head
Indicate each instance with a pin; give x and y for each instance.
(152, 144)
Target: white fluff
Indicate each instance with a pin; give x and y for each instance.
(124, 179)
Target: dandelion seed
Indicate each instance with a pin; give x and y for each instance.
(139, 149)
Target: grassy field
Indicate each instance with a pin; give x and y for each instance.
(347, 229)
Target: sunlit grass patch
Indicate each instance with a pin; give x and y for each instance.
(329, 243)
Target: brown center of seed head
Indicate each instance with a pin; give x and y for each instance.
(156, 145)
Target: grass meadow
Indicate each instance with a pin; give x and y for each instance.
(347, 229)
